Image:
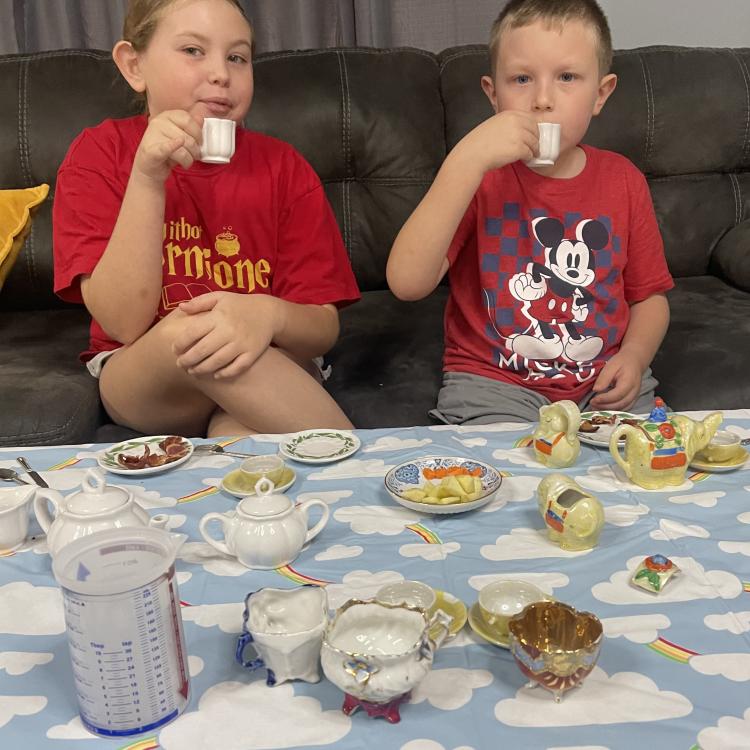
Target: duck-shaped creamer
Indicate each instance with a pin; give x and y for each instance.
(556, 442)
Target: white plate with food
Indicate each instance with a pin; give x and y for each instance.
(146, 455)
(597, 426)
(319, 446)
(442, 484)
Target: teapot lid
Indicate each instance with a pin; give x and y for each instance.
(659, 412)
(264, 503)
(95, 496)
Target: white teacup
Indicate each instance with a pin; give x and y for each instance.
(218, 140)
(500, 600)
(549, 145)
(413, 593)
(14, 516)
(285, 627)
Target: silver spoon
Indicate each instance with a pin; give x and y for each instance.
(220, 450)
(746, 441)
(8, 475)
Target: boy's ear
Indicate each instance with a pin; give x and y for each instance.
(126, 59)
(606, 87)
(488, 86)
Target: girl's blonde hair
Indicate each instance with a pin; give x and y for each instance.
(142, 17)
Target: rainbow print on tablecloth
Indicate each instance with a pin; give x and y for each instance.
(671, 650)
(424, 533)
(699, 476)
(64, 464)
(289, 572)
(150, 743)
(746, 587)
(198, 495)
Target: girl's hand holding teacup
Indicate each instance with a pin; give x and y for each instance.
(172, 138)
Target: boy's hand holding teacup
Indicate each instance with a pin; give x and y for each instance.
(172, 138)
(225, 333)
(504, 138)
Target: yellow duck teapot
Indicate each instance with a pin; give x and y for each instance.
(659, 449)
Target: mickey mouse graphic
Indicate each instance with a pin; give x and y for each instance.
(555, 293)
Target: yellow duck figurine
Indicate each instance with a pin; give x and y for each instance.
(556, 442)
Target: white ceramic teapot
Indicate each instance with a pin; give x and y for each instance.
(267, 530)
(95, 507)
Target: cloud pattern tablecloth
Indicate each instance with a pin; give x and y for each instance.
(674, 670)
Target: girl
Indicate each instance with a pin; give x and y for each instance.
(211, 287)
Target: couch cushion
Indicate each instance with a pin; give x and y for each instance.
(46, 395)
(387, 365)
(702, 363)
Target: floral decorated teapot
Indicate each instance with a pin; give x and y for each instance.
(95, 507)
(659, 449)
(267, 530)
(556, 442)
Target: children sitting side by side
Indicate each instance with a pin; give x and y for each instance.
(557, 273)
(212, 287)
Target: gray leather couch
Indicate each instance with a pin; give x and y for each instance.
(376, 125)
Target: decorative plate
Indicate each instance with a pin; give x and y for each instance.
(476, 623)
(108, 459)
(233, 483)
(319, 446)
(720, 467)
(410, 476)
(600, 438)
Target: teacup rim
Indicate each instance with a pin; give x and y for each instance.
(517, 618)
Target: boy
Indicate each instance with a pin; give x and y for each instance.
(558, 275)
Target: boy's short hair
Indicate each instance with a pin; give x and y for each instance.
(518, 13)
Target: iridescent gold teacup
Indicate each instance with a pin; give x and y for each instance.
(500, 600)
(555, 645)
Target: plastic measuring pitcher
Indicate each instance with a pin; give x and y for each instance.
(122, 612)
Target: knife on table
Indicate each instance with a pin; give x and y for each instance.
(33, 474)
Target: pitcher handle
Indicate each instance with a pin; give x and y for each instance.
(443, 620)
(315, 530)
(215, 543)
(614, 446)
(41, 511)
(242, 643)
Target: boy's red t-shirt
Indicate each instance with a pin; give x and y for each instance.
(258, 225)
(543, 270)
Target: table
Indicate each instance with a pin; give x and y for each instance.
(674, 670)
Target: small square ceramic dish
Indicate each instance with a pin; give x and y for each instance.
(413, 475)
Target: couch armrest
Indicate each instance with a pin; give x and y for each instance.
(731, 256)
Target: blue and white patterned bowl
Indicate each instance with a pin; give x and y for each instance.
(410, 476)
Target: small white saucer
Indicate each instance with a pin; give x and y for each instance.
(287, 480)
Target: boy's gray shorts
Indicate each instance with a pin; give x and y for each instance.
(475, 399)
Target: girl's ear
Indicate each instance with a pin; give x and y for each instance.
(126, 59)
(488, 86)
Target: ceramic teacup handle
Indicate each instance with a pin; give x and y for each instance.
(315, 530)
(41, 511)
(252, 664)
(215, 543)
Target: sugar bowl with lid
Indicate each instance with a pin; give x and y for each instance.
(267, 530)
(97, 506)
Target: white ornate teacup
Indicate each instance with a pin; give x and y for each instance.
(266, 530)
(377, 653)
(285, 626)
(14, 516)
(95, 507)
(414, 593)
(501, 600)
